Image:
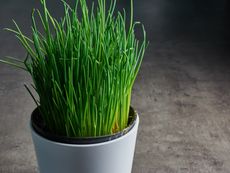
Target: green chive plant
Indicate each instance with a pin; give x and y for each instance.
(83, 67)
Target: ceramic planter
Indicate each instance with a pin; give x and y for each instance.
(102, 155)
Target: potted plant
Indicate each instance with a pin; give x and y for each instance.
(83, 69)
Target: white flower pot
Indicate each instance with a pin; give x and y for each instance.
(114, 156)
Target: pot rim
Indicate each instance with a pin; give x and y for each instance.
(83, 140)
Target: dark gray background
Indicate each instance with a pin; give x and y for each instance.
(182, 92)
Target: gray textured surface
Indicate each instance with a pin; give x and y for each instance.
(182, 92)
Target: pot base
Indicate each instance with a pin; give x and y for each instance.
(114, 156)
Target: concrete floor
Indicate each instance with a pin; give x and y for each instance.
(182, 92)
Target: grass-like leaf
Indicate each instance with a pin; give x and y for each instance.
(83, 69)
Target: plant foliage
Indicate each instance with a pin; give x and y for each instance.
(83, 68)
